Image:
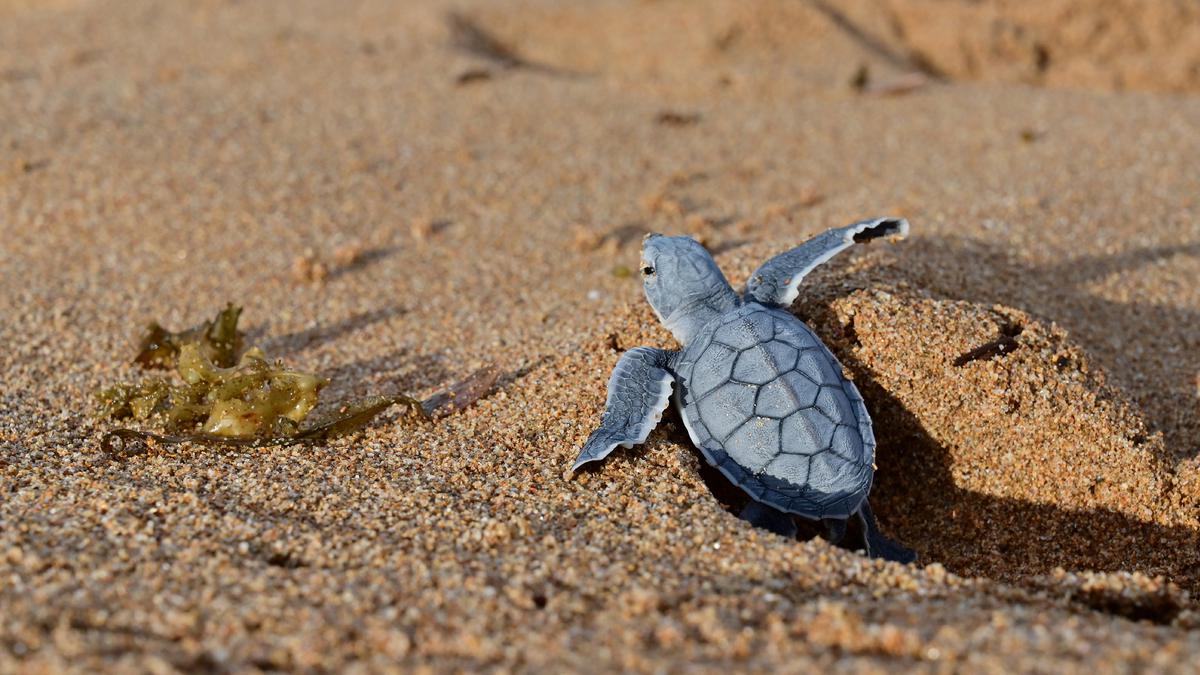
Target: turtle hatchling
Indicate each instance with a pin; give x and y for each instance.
(761, 396)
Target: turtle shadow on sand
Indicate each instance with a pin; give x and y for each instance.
(1009, 539)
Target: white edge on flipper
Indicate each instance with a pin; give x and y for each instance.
(686, 424)
(792, 290)
(644, 429)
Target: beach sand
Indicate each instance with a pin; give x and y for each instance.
(161, 159)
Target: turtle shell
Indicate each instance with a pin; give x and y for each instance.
(768, 406)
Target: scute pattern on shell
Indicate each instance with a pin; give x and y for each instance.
(767, 404)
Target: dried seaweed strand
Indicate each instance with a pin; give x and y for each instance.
(472, 388)
(998, 347)
(1005, 344)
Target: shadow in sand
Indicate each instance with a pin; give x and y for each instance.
(426, 369)
(727, 246)
(469, 36)
(626, 234)
(402, 371)
(290, 343)
(1135, 342)
(362, 261)
(510, 377)
(634, 231)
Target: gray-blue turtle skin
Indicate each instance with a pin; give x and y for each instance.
(761, 396)
(766, 403)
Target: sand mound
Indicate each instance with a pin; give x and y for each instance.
(1017, 461)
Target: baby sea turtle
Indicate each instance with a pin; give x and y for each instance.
(760, 394)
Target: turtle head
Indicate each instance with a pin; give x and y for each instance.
(683, 284)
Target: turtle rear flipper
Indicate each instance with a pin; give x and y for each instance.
(835, 530)
(769, 518)
(879, 546)
(638, 392)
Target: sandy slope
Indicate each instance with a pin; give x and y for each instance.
(162, 158)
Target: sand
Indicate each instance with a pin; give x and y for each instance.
(160, 159)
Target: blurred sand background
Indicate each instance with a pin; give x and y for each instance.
(158, 159)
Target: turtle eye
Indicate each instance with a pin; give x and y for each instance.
(647, 271)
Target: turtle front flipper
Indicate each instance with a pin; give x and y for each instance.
(638, 392)
(777, 282)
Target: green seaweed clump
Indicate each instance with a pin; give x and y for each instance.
(252, 398)
(219, 341)
(230, 399)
